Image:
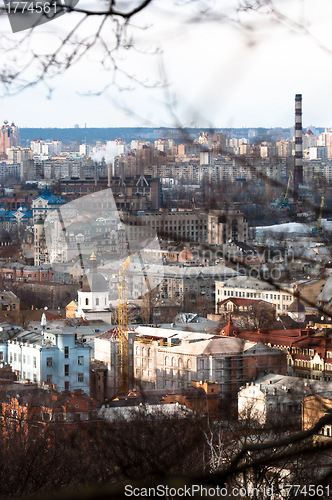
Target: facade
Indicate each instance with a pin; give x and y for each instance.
(10, 170)
(170, 281)
(188, 356)
(314, 407)
(106, 350)
(66, 409)
(102, 234)
(95, 293)
(309, 350)
(274, 395)
(129, 194)
(9, 136)
(18, 155)
(44, 204)
(41, 254)
(53, 357)
(215, 227)
(251, 288)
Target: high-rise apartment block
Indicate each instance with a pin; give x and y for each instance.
(9, 136)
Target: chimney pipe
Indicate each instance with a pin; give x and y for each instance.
(298, 168)
(109, 174)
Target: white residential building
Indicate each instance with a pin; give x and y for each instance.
(252, 288)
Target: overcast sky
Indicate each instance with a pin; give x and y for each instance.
(219, 74)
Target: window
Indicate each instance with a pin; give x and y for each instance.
(66, 386)
(24, 358)
(97, 302)
(49, 361)
(66, 370)
(86, 302)
(80, 360)
(49, 379)
(80, 377)
(34, 361)
(1, 356)
(66, 352)
(15, 356)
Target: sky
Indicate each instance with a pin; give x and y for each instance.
(201, 64)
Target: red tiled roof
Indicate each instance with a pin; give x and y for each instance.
(240, 302)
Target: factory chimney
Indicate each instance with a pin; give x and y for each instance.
(109, 174)
(298, 168)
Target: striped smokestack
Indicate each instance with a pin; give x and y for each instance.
(298, 168)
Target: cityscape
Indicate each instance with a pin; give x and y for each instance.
(165, 250)
(166, 309)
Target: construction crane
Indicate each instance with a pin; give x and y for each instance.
(123, 330)
(283, 200)
(318, 227)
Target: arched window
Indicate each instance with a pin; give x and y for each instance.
(149, 352)
(143, 351)
(97, 301)
(189, 364)
(137, 350)
(86, 302)
(180, 362)
(172, 362)
(166, 360)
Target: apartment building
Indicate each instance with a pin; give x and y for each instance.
(52, 356)
(251, 288)
(171, 281)
(168, 358)
(215, 227)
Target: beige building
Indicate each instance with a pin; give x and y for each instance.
(167, 358)
(276, 394)
(18, 155)
(41, 255)
(252, 288)
(106, 350)
(216, 227)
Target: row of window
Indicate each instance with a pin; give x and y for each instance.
(49, 377)
(252, 295)
(97, 301)
(49, 361)
(307, 352)
(172, 362)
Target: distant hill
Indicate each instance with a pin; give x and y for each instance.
(91, 135)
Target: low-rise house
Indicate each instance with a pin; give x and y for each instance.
(274, 395)
(67, 408)
(314, 407)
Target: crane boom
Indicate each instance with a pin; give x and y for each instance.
(123, 328)
(319, 222)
